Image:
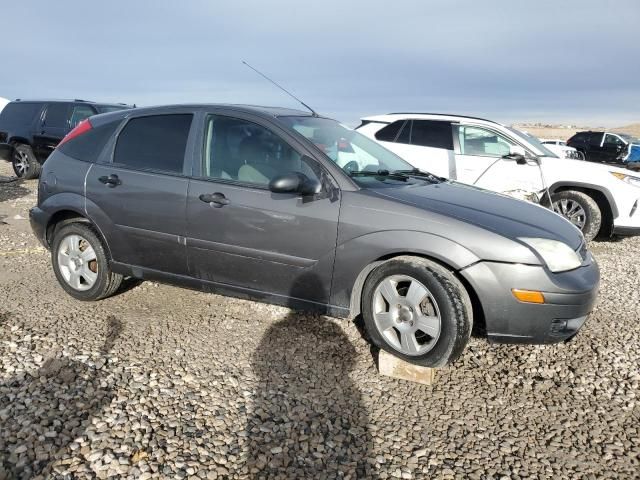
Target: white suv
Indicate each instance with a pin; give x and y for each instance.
(598, 199)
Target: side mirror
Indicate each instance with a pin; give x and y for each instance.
(517, 153)
(295, 182)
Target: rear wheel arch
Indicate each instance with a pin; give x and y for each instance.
(66, 217)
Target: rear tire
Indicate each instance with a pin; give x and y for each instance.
(24, 162)
(81, 265)
(417, 310)
(580, 209)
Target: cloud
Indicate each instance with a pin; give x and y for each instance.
(570, 61)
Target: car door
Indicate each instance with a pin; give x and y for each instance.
(142, 192)
(239, 233)
(480, 152)
(612, 147)
(425, 144)
(594, 147)
(53, 126)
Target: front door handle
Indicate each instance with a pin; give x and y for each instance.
(110, 181)
(216, 200)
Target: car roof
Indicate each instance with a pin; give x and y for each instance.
(263, 110)
(391, 117)
(76, 100)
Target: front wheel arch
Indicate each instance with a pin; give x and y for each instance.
(355, 306)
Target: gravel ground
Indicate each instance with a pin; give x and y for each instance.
(164, 382)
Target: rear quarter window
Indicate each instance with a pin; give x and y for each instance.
(88, 146)
(18, 114)
(155, 142)
(390, 132)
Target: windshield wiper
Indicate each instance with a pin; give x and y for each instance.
(419, 173)
(378, 173)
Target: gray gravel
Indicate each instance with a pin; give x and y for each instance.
(171, 383)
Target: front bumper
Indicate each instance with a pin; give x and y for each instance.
(39, 219)
(569, 298)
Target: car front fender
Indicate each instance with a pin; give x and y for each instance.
(357, 257)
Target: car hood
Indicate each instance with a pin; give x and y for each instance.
(492, 211)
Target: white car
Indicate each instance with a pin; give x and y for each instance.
(596, 198)
(561, 149)
(3, 103)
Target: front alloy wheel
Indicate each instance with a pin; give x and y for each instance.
(406, 314)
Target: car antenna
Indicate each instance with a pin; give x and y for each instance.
(313, 112)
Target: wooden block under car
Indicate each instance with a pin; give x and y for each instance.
(392, 366)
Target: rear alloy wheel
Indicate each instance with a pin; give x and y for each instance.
(80, 263)
(580, 209)
(24, 162)
(417, 310)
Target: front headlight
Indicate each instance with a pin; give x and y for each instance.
(630, 179)
(558, 256)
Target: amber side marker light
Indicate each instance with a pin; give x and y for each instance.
(528, 296)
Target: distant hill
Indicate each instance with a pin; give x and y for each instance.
(633, 129)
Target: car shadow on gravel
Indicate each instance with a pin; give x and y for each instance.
(308, 418)
(41, 413)
(11, 189)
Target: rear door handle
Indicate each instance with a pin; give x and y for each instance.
(110, 181)
(216, 200)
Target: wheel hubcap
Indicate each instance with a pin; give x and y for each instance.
(21, 163)
(78, 262)
(406, 315)
(572, 211)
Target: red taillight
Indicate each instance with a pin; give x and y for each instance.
(83, 127)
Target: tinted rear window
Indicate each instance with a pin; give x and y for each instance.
(88, 146)
(432, 133)
(19, 114)
(154, 143)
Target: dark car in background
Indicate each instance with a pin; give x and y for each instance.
(31, 129)
(603, 147)
(288, 207)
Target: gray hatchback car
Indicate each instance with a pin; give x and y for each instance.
(292, 208)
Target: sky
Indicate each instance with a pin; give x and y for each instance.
(569, 62)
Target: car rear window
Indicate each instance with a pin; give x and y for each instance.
(111, 108)
(89, 145)
(155, 142)
(17, 114)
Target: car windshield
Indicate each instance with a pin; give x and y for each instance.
(356, 154)
(533, 141)
(628, 138)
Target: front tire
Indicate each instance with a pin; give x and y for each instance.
(81, 265)
(24, 162)
(580, 209)
(417, 310)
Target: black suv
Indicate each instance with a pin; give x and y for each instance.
(604, 147)
(30, 130)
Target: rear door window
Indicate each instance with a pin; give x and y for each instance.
(57, 115)
(155, 142)
(432, 133)
(595, 139)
